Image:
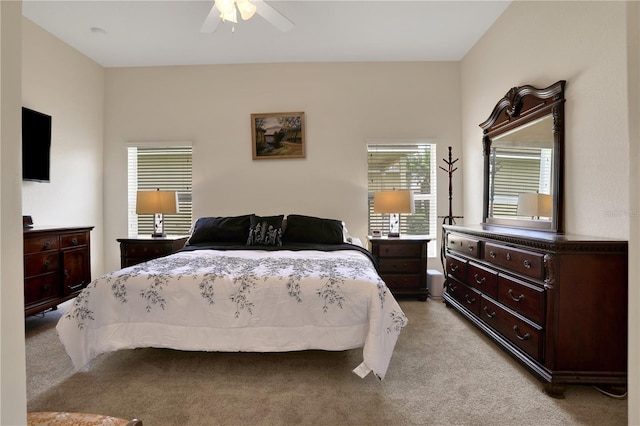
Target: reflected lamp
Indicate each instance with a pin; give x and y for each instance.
(534, 205)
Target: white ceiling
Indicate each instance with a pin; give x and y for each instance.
(154, 33)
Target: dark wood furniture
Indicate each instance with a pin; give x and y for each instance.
(57, 265)
(142, 248)
(556, 303)
(402, 264)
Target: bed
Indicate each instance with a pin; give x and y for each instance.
(244, 283)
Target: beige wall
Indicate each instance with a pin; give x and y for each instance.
(345, 105)
(584, 43)
(12, 356)
(59, 81)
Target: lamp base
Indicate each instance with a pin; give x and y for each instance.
(158, 235)
(393, 235)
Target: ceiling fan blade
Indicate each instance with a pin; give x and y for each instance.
(273, 16)
(211, 22)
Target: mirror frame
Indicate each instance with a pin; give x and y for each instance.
(519, 107)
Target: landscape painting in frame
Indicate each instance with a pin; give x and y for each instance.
(278, 135)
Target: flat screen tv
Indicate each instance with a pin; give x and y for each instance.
(36, 145)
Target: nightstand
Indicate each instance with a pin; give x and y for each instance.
(142, 248)
(402, 264)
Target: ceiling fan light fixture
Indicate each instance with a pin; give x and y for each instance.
(246, 8)
(227, 10)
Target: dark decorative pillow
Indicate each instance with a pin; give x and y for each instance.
(309, 229)
(221, 229)
(265, 231)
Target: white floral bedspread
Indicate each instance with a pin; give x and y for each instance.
(230, 301)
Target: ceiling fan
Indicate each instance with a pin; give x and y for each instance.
(226, 10)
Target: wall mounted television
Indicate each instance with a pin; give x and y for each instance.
(36, 145)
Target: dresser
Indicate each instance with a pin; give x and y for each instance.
(557, 303)
(402, 264)
(57, 265)
(139, 249)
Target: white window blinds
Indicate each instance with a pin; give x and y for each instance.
(404, 166)
(167, 168)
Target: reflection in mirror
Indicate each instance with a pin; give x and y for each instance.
(521, 172)
(523, 141)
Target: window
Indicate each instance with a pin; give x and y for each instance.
(405, 166)
(160, 167)
(513, 171)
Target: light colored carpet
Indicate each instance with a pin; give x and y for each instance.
(443, 372)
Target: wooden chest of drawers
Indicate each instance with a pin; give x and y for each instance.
(57, 266)
(557, 303)
(140, 249)
(402, 264)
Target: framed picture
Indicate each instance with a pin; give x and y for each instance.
(278, 135)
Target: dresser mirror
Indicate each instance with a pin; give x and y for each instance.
(523, 159)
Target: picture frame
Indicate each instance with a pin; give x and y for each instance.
(278, 135)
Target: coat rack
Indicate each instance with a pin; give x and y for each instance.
(450, 218)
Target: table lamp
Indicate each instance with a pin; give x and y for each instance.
(157, 203)
(394, 203)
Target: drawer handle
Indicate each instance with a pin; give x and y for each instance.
(46, 264)
(45, 289)
(73, 287)
(489, 315)
(47, 245)
(492, 254)
(515, 299)
(74, 241)
(482, 281)
(508, 256)
(469, 300)
(453, 268)
(516, 330)
(403, 266)
(470, 248)
(527, 264)
(452, 288)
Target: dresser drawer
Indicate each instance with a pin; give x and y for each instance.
(456, 267)
(73, 240)
(401, 281)
(523, 298)
(400, 250)
(41, 288)
(525, 335)
(485, 280)
(400, 266)
(467, 296)
(38, 244)
(523, 262)
(468, 246)
(42, 263)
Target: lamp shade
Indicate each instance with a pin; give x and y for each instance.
(152, 202)
(393, 202)
(532, 204)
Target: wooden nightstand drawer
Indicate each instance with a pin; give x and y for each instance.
(401, 281)
(400, 266)
(141, 249)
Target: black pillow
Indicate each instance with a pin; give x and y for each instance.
(221, 229)
(265, 231)
(309, 229)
